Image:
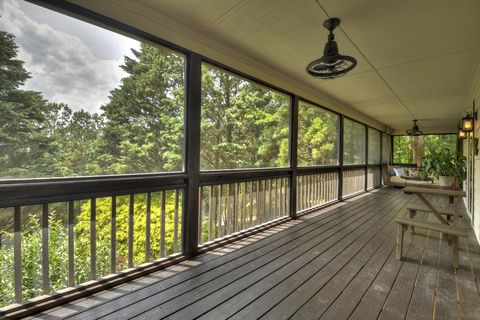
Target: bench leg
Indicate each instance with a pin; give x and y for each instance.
(455, 252)
(412, 213)
(399, 249)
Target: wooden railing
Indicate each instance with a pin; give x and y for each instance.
(59, 234)
(353, 181)
(374, 177)
(232, 207)
(50, 246)
(314, 190)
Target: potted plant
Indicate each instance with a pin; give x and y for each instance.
(448, 167)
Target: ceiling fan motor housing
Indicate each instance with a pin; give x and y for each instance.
(331, 64)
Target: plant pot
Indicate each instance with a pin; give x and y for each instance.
(446, 181)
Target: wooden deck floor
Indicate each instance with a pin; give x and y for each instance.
(337, 263)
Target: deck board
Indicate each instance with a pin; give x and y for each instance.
(336, 263)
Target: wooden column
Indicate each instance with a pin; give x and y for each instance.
(366, 159)
(340, 158)
(192, 154)
(293, 156)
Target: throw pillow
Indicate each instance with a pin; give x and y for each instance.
(400, 171)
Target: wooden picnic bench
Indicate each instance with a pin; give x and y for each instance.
(446, 226)
(454, 231)
(421, 191)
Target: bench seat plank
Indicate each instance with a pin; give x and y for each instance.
(445, 213)
(440, 227)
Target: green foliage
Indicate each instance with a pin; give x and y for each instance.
(412, 149)
(244, 125)
(353, 142)
(374, 141)
(317, 136)
(143, 131)
(445, 163)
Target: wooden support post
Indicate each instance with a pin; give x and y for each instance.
(192, 157)
(293, 156)
(400, 234)
(340, 157)
(455, 252)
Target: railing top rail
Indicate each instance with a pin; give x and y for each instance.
(318, 169)
(232, 176)
(29, 193)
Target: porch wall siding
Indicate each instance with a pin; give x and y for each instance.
(474, 213)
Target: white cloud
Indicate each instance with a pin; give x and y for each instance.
(63, 68)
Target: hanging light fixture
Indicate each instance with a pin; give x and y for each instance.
(332, 64)
(415, 131)
(468, 122)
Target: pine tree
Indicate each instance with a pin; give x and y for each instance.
(25, 149)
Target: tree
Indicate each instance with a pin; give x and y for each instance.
(244, 125)
(25, 149)
(354, 142)
(317, 136)
(143, 130)
(75, 132)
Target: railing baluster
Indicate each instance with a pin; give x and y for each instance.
(304, 192)
(228, 212)
(175, 222)
(131, 210)
(250, 196)
(307, 191)
(210, 214)
(270, 200)
(147, 226)
(314, 190)
(285, 201)
(314, 201)
(277, 198)
(282, 209)
(220, 212)
(162, 226)
(93, 239)
(299, 189)
(17, 252)
(308, 195)
(264, 192)
(235, 207)
(318, 184)
(299, 193)
(328, 188)
(113, 236)
(201, 214)
(71, 244)
(331, 187)
(257, 202)
(244, 211)
(321, 188)
(45, 255)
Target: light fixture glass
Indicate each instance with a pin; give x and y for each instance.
(468, 123)
(462, 134)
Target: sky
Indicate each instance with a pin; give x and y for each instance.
(69, 61)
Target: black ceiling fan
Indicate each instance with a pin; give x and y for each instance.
(332, 64)
(415, 130)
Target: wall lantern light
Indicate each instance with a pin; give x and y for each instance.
(468, 122)
(462, 134)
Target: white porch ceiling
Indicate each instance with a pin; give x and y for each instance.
(416, 59)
